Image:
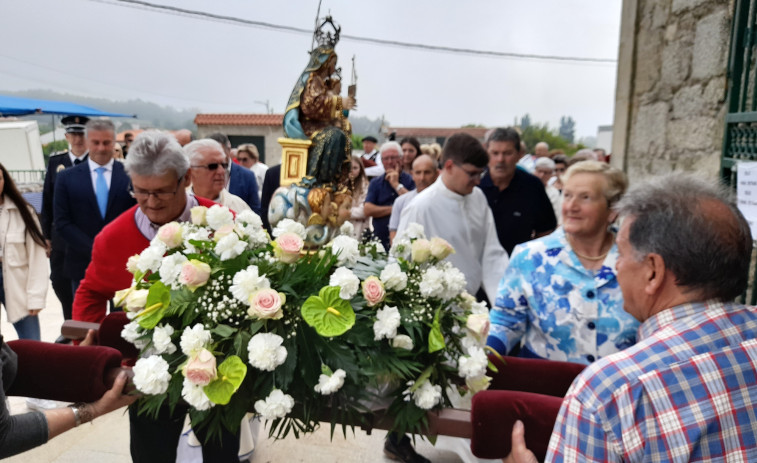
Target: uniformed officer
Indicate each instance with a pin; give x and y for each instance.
(56, 247)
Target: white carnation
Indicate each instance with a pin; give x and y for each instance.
(403, 341)
(388, 320)
(266, 352)
(195, 396)
(249, 219)
(199, 234)
(230, 246)
(246, 282)
(347, 281)
(194, 339)
(443, 281)
(330, 384)
(161, 339)
(470, 343)
(393, 277)
(401, 248)
(218, 216)
(131, 332)
(454, 282)
(151, 258)
(432, 283)
(413, 231)
(347, 228)
(426, 396)
(474, 365)
(151, 375)
(276, 405)
(290, 226)
(347, 249)
(170, 269)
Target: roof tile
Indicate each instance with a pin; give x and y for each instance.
(239, 119)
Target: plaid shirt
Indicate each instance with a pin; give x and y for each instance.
(686, 391)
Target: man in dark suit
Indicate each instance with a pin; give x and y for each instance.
(271, 182)
(242, 181)
(56, 246)
(89, 196)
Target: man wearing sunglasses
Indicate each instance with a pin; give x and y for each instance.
(241, 181)
(209, 173)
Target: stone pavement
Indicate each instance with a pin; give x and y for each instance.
(107, 439)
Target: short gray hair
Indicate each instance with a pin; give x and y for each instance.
(194, 149)
(391, 145)
(617, 182)
(153, 154)
(100, 125)
(697, 229)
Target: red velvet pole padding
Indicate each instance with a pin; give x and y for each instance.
(110, 336)
(533, 375)
(494, 413)
(60, 372)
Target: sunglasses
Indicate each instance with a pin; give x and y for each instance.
(214, 166)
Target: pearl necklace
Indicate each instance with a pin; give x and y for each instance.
(591, 258)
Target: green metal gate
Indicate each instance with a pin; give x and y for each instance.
(740, 139)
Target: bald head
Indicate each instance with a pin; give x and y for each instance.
(541, 150)
(424, 172)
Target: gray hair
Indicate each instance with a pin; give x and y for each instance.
(503, 134)
(544, 163)
(391, 145)
(153, 154)
(194, 149)
(100, 125)
(697, 229)
(617, 182)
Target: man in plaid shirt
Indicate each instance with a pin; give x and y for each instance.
(687, 390)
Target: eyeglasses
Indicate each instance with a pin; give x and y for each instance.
(142, 195)
(243, 159)
(213, 166)
(477, 175)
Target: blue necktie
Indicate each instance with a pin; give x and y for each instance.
(101, 191)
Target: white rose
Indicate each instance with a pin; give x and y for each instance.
(198, 214)
(218, 216)
(161, 339)
(276, 405)
(151, 375)
(393, 277)
(131, 264)
(266, 352)
(403, 341)
(230, 246)
(195, 396)
(474, 365)
(478, 383)
(290, 226)
(247, 282)
(478, 324)
(347, 249)
(194, 339)
(388, 320)
(329, 384)
(151, 258)
(347, 281)
(170, 269)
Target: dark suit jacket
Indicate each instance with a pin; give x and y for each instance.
(271, 182)
(242, 183)
(77, 216)
(53, 167)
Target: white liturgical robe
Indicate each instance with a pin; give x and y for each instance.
(466, 222)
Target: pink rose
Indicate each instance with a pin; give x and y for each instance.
(478, 325)
(440, 248)
(194, 274)
(170, 234)
(225, 230)
(266, 303)
(288, 246)
(373, 291)
(420, 250)
(201, 369)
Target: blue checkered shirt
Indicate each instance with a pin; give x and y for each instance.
(685, 392)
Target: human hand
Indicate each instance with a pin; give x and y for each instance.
(34, 312)
(48, 247)
(114, 398)
(89, 340)
(519, 453)
(393, 177)
(349, 103)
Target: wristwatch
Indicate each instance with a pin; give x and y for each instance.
(400, 187)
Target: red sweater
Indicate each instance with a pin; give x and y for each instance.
(107, 272)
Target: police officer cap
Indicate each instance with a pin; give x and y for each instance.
(370, 138)
(74, 124)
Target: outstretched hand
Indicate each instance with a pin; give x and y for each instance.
(114, 398)
(519, 453)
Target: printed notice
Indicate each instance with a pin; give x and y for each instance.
(747, 193)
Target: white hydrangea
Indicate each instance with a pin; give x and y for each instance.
(393, 277)
(195, 396)
(246, 282)
(151, 375)
(426, 397)
(161, 339)
(170, 269)
(276, 405)
(230, 246)
(473, 365)
(403, 341)
(131, 332)
(218, 216)
(266, 352)
(388, 320)
(330, 384)
(151, 258)
(290, 226)
(194, 339)
(347, 249)
(347, 281)
(198, 234)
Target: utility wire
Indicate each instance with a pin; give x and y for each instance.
(417, 46)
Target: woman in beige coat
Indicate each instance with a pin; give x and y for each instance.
(25, 271)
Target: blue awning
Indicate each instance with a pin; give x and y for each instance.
(16, 106)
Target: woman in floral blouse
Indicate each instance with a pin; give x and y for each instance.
(559, 298)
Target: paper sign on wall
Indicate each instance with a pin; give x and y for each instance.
(747, 193)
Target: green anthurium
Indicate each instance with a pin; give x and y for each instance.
(158, 299)
(231, 373)
(435, 336)
(328, 313)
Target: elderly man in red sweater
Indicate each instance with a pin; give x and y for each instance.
(159, 172)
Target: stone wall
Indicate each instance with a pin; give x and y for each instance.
(670, 101)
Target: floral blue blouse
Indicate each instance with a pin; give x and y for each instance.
(560, 310)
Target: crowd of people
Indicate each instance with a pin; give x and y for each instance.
(636, 283)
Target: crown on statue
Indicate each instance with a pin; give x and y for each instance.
(327, 34)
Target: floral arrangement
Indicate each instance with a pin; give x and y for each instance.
(230, 322)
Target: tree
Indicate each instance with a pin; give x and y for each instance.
(567, 128)
(525, 122)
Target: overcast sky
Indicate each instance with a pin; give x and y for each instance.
(119, 50)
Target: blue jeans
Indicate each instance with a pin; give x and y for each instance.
(27, 327)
